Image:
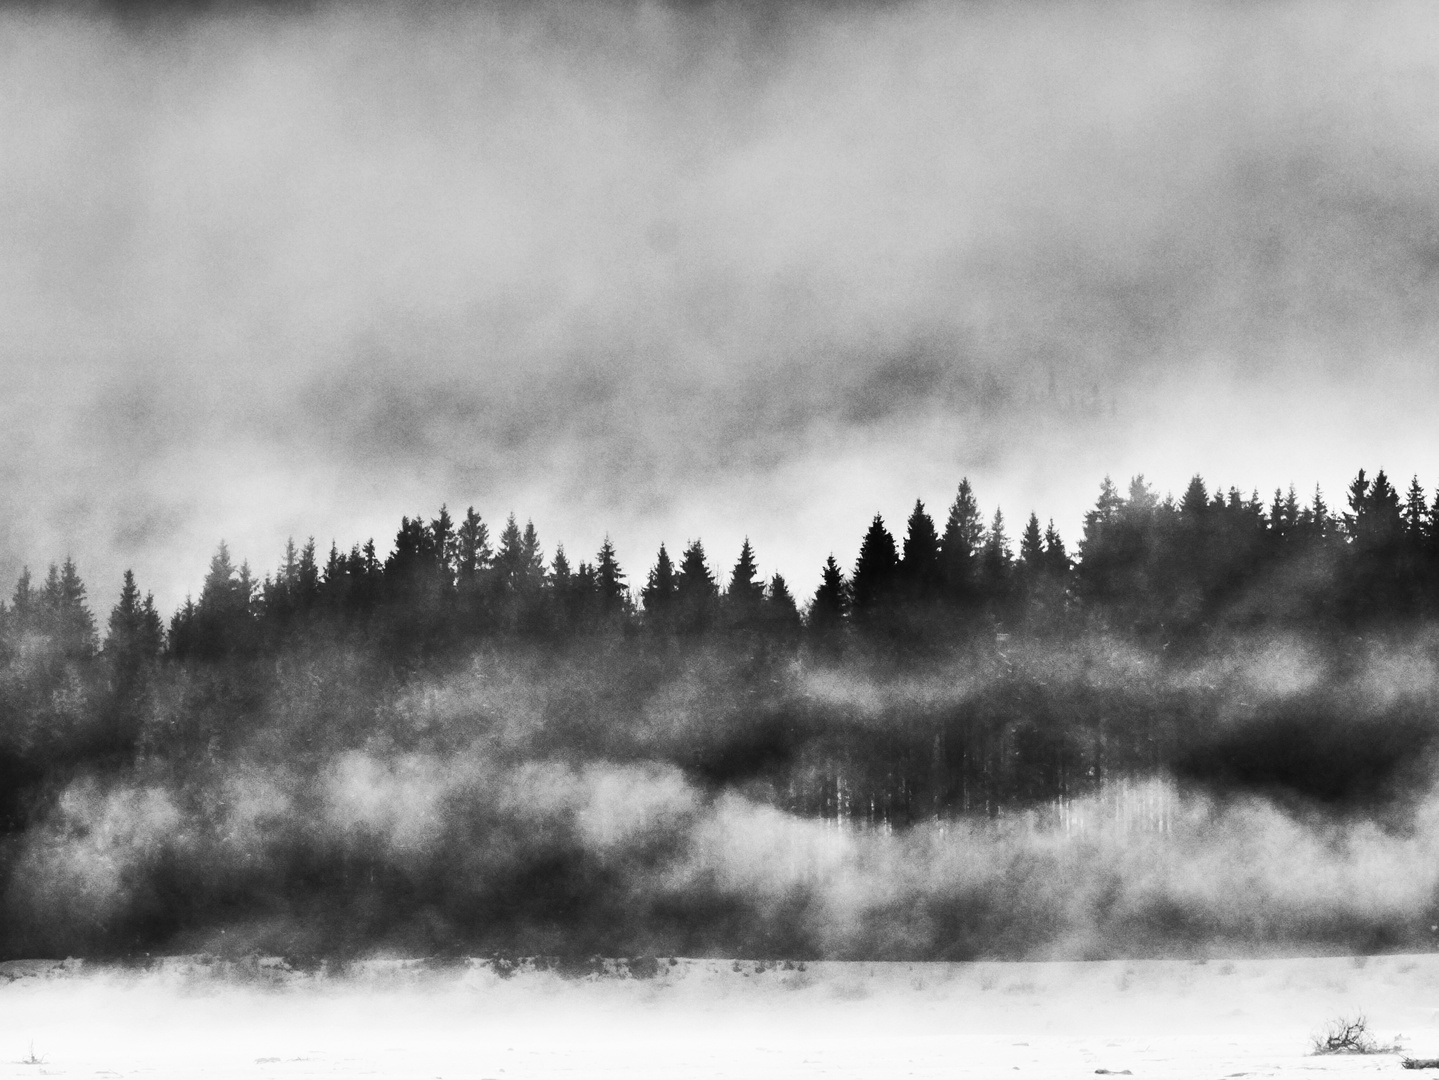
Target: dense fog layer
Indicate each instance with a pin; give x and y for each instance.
(570, 806)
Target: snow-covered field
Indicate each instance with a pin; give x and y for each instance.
(707, 1018)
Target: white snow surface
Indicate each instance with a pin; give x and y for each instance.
(713, 1018)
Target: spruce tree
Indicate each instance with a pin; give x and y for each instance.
(658, 594)
(151, 629)
(532, 557)
(781, 613)
(1102, 553)
(611, 594)
(1194, 506)
(512, 561)
(1031, 547)
(873, 583)
(307, 577)
(133, 641)
(1056, 559)
(829, 609)
(696, 596)
(584, 595)
(25, 604)
(282, 596)
(473, 561)
(222, 617)
(561, 592)
(745, 592)
(997, 561)
(920, 563)
(472, 550)
(1291, 510)
(960, 547)
(444, 546)
(181, 639)
(1416, 513)
(67, 616)
(123, 630)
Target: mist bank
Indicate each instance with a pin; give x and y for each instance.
(1217, 726)
(1091, 801)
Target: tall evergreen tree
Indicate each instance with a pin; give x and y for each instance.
(124, 623)
(1321, 521)
(610, 588)
(584, 595)
(134, 635)
(997, 561)
(25, 604)
(286, 586)
(745, 593)
(659, 594)
(561, 583)
(696, 596)
(873, 584)
(67, 617)
(780, 612)
(920, 564)
(1102, 550)
(1194, 506)
(512, 561)
(411, 579)
(307, 577)
(829, 609)
(1379, 588)
(1106, 509)
(473, 561)
(1031, 547)
(222, 620)
(444, 546)
(1291, 510)
(472, 550)
(1416, 512)
(181, 639)
(532, 556)
(960, 547)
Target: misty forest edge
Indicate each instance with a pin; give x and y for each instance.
(1076, 673)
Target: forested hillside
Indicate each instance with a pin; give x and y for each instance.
(465, 742)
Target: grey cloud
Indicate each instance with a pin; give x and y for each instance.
(631, 251)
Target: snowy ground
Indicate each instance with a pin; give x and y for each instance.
(704, 1018)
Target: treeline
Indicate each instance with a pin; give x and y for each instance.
(1177, 580)
(518, 710)
(1150, 568)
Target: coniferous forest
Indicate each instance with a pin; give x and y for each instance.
(974, 741)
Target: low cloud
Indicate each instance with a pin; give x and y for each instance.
(640, 268)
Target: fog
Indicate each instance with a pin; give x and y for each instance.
(666, 272)
(521, 807)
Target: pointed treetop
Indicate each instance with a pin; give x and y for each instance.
(660, 586)
(1031, 544)
(830, 606)
(921, 560)
(695, 576)
(744, 587)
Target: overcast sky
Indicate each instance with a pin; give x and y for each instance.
(670, 272)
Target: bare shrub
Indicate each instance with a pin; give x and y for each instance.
(1350, 1035)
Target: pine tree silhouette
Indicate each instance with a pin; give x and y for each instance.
(612, 595)
(745, 592)
(696, 597)
(874, 583)
(829, 610)
(658, 595)
(960, 547)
